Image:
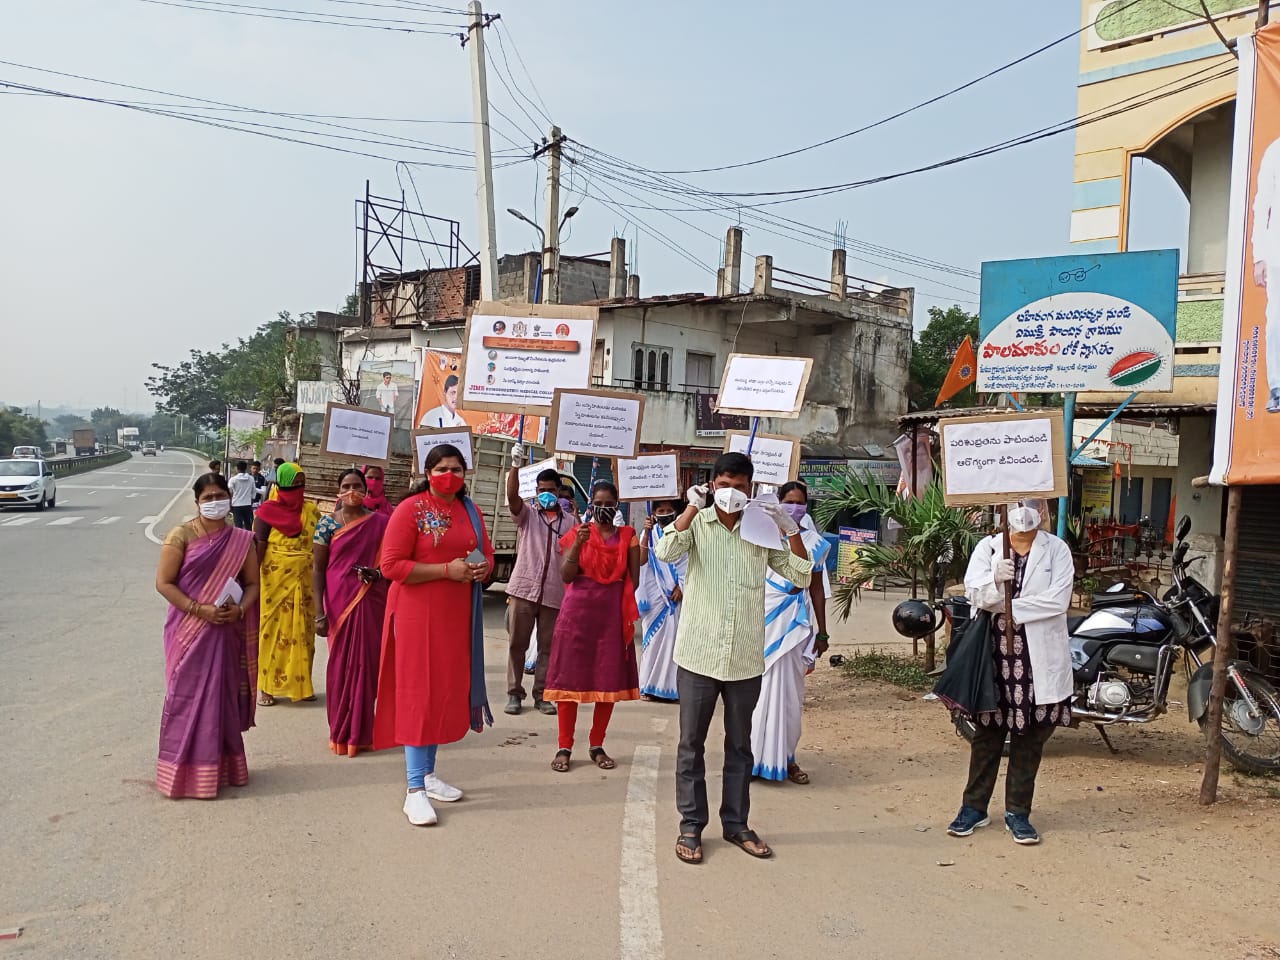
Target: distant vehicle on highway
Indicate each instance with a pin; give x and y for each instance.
(86, 443)
(27, 453)
(27, 483)
(149, 448)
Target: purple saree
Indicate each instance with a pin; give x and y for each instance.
(210, 677)
(356, 611)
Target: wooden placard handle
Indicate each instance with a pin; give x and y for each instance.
(1008, 587)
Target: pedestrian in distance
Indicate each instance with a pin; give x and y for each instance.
(659, 594)
(720, 644)
(437, 555)
(259, 483)
(215, 466)
(795, 636)
(284, 530)
(1033, 678)
(210, 648)
(243, 491)
(376, 500)
(536, 589)
(351, 603)
(593, 655)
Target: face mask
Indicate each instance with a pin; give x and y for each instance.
(446, 484)
(604, 515)
(353, 498)
(566, 506)
(664, 519)
(1023, 519)
(548, 500)
(215, 509)
(376, 488)
(796, 511)
(731, 500)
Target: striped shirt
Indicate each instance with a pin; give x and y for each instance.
(721, 632)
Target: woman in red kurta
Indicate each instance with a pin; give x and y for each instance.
(431, 681)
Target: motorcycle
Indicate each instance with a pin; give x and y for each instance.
(1124, 652)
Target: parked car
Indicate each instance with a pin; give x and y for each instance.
(27, 483)
(26, 453)
(149, 448)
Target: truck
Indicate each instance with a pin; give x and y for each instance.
(85, 441)
(127, 437)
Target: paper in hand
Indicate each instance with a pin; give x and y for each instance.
(758, 527)
(231, 593)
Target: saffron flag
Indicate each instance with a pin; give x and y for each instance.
(964, 371)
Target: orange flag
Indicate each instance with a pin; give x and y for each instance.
(964, 371)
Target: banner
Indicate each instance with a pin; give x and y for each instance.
(438, 402)
(1247, 438)
(1102, 322)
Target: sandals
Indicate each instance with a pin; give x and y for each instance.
(561, 762)
(601, 759)
(796, 775)
(689, 848)
(266, 700)
(742, 838)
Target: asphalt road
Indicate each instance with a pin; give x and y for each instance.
(314, 858)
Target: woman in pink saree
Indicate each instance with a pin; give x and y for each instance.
(209, 574)
(351, 601)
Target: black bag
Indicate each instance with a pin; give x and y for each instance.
(968, 684)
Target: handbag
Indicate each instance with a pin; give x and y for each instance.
(968, 683)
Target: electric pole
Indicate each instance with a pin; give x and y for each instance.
(484, 153)
(551, 252)
(1264, 12)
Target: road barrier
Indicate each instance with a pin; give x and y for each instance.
(70, 466)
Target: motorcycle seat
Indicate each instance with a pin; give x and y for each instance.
(1113, 599)
(1073, 623)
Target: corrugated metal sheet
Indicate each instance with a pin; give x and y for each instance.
(1258, 572)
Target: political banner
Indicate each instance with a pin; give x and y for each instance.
(1101, 323)
(438, 407)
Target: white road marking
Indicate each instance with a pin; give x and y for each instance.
(20, 521)
(104, 521)
(150, 532)
(148, 520)
(130, 496)
(94, 489)
(639, 919)
(64, 521)
(658, 724)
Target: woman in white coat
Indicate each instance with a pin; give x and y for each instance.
(1033, 681)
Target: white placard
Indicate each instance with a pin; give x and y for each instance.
(990, 460)
(758, 527)
(774, 458)
(767, 386)
(651, 476)
(424, 440)
(596, 422)
(515, 363)
(529, 477)
(363, 435)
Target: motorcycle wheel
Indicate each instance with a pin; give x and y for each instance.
(966, 728)
(1251, 744)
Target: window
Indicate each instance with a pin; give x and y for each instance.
(697, 371)
(650, 367)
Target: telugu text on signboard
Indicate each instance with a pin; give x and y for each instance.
(425, 440)
(775, 459)
(650, 476)
(603, 423)
(764, 386)
(363, 435)
(988, 460)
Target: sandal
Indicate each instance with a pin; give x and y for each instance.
(796, 775)
(689, 848)
(561, 762)
(742, 838)
(266, 700)
(601, 759)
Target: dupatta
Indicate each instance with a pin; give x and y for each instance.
(609, 564)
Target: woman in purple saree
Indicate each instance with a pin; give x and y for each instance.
(351, 601)
(209, 574)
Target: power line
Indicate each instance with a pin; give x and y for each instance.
(510, 93)
(312, 18)
(546, 111)
(502, 49)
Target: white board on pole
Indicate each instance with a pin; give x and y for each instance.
(363, 435)
(995, 459)
(650, 476)
(764, 386)
(425, 438)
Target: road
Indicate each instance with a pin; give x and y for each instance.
(314, 858)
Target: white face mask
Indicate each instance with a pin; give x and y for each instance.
(731, 500)
(1023, 519)
(215, 509)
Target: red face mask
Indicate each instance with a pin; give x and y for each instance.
(376, 486)
(291, 499)
(446, 484)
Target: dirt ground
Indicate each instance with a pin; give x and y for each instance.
(1126, 842)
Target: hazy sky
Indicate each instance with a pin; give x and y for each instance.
(131, 238)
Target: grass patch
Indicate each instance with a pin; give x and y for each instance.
(887, 667)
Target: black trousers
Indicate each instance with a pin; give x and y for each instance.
(1025, 751)
(243, 517)
(698, 695)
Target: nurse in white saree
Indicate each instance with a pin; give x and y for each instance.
(795, 635)
(658, 597)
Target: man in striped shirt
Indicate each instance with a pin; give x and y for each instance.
(720, 644)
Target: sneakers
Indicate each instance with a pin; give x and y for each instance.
(437, 789)
(418, 809)
(545, 707)
(1020, 826)
(967, 821)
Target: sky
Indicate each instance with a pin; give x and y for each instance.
(131, 239)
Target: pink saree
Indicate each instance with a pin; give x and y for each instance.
(210, 677)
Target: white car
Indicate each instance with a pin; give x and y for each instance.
(27, 483)
(26, 453)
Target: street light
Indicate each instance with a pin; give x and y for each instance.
(563, 220)
(541, 233)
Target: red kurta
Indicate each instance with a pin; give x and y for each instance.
(425, 677)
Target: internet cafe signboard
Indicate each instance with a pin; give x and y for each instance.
(1103, 322)
(516, 356)
(1003, 457)
(1247, 437)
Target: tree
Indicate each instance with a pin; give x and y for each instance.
(67, 423)
(18, 429)
(932, 353)
(933, 545)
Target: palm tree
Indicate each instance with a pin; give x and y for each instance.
(934, 540)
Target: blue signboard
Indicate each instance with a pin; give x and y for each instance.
(1103, 322)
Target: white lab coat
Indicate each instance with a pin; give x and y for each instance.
(1042, 607)
(1265, 240)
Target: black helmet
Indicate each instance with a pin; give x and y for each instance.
(914, 619)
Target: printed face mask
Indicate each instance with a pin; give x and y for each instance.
(731, 500)
(796, 511)
(215, 509)
(664, 519)
(548, 500)
(1023, 519)
(354, 498)
(604, 515)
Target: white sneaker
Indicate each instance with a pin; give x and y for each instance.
(437, 789)
(418, 809)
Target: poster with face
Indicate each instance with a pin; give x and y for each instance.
(437, 406)
(388, 387)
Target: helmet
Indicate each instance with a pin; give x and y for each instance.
(914, 619)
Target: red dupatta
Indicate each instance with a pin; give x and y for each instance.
(609, 564)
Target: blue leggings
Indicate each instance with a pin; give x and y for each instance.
(419, 762)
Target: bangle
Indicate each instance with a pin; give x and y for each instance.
(191, 605)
